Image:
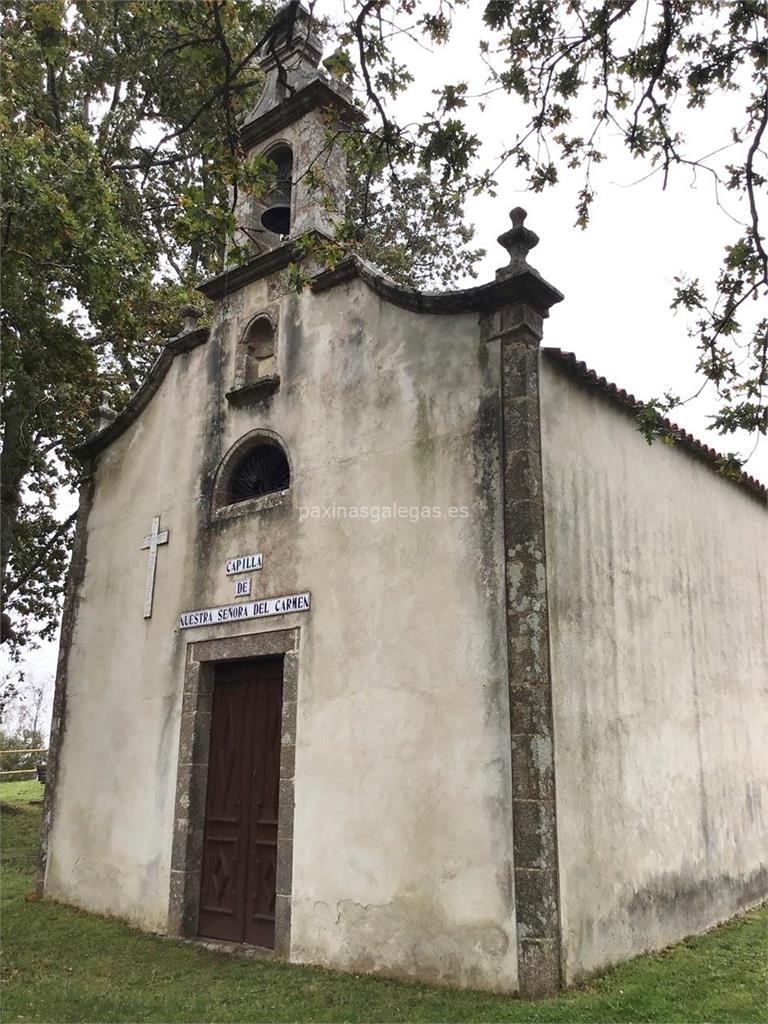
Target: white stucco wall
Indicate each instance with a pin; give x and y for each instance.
(402, 848)
(110, 846)
(658, 591)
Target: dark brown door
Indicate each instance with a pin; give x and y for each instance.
(239, 870)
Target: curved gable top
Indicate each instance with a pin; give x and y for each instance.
(100, 440)
(526, 285)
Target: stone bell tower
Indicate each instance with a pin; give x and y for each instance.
(299, 123)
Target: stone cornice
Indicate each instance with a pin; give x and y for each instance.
(235, 278)
(527, 286)
(140, 400)
(317, 94)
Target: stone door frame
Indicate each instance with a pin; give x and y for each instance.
(192, 775)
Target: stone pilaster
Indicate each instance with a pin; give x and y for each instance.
(192, 775)
(518, 327)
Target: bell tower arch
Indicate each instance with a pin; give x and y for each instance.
(296, 124)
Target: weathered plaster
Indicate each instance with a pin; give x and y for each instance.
(75, 577)
(402, 855)
(658, 590)
(184, 342)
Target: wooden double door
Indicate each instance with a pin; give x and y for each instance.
(239, 867)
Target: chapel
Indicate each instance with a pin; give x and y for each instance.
(405, 651)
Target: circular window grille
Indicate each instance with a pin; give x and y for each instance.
(262, 470)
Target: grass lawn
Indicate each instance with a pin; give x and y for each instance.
(61, 964)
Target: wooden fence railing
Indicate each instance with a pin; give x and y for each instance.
(24, 750)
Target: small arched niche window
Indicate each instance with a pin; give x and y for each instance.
(277, 215)
(261, 469)
(258, 351)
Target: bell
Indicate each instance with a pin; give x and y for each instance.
(277, 218)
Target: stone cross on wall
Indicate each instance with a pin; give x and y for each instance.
(153, 541)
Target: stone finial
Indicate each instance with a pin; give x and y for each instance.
(104, 412)
(292, 38)
(190, 315)
(290, 55)
(518, 242)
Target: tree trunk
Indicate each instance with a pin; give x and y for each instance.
(17, 456)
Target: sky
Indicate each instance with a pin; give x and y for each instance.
(618, 275)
